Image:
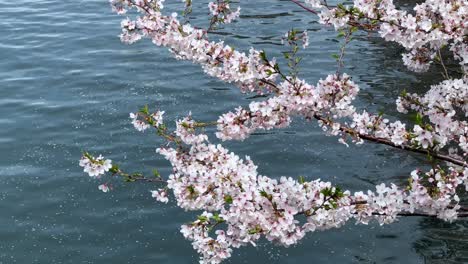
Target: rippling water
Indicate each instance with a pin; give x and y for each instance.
(68, 84)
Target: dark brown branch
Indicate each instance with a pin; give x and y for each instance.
(461, 209)
(271, 84)
(462, 212)
(460, 215)
(387, 142)
(352, 22)
(352, 132)
(304, 7)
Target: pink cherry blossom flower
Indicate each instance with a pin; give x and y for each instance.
(104, 188)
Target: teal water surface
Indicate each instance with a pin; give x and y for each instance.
(67, 84)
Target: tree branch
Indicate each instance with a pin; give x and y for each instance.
(387, 142)
(304, 7)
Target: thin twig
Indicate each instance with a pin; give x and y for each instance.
(342, 52)
(443, 65)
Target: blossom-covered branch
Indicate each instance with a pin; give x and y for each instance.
(241, 206)
(230, 191)
(433, 25)
(184, 44)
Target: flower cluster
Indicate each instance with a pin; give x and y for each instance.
(104, 188)
(189, 43)
(441, 105)
(292, 37)
(331, 96)
(160, 195)
(431, 26)
(186, 131)
(418, 60)
(143, 120)
(222, 12)
(229, 189)
(314, 3)
(95, 167)
(139, 125)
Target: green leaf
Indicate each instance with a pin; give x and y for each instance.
(263, 55)
(276, 67)
(255, 230)
(156, 173)
(203, 218)
(404, 93)
(302, 179)
(217, 218)
(185, 125)
(114, 168)
(327, 192)
(418, 119)
(252, 231)
(338, 193)
(145, 110)
(228, 199)
(191, 189)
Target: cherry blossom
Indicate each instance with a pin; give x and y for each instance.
(222, 11)
(160, 195)
(104, 188)
(138, 124)
(95, 167)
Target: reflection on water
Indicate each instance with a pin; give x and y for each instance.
(443, 242)
(68, 84)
